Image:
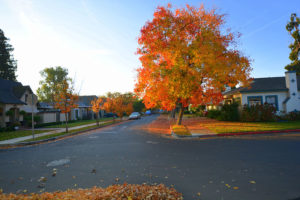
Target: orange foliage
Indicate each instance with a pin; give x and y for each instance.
(97, 105)
(118, 105)
(125, 191)
(187, 58)
(65, 99)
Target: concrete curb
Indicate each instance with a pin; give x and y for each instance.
(236, 134)
(22, 144)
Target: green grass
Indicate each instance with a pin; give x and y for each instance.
(231, 127)
(77, 123)
(64, 133)
(18, 133)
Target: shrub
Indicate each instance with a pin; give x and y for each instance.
(213, 114)
(229, 112)
(256, 113)
(291, 116)
(28, 118)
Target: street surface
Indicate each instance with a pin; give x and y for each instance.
(237, 168)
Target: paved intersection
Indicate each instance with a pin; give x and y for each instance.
(223, 168)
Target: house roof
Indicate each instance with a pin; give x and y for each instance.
(10, 92)
(270, 84)
(85, 101)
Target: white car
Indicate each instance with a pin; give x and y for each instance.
(135, 115)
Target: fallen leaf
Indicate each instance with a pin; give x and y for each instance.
(235, 187)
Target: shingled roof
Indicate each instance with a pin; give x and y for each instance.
(270, 84)
(11, 92)
(85, 101)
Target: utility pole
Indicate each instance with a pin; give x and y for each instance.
(32, 118)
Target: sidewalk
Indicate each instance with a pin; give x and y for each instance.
(58, 130)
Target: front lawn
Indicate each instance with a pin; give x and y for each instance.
(78, 123)
(231, 127)
(18, 133)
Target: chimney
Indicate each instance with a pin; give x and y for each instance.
(291, 83)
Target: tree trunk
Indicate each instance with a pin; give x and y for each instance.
(66, 116)
(173, 113)
(180, 115)
(97, 119)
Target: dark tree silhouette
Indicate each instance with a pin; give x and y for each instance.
(293, 28)
(8, 65)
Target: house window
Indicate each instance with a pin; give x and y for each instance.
(272, 100)
(252, 101)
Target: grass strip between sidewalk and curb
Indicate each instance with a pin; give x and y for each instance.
(71, 132)
(57, 136)
(77, 123)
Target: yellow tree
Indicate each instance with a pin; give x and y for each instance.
(97, 105)
(65, 100)
(187, 59)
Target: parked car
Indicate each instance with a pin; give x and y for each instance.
(110, 115)
(148, 112)
(135, 115)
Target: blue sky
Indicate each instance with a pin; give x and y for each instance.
(97, 40)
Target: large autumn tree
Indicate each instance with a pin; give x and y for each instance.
(187, 58)
(66, 99)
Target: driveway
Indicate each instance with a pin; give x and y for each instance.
(224, 168)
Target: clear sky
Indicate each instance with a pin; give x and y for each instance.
(97, 40)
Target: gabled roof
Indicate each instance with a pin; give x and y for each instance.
(270, 84)
(9, 92)
(85, 101)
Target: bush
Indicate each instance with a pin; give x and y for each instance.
(229, 112)
(258, 113)
(27, 119)
(213, 114)
(291, 116)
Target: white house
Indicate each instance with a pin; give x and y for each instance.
(282, 92)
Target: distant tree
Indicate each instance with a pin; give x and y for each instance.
(293, 28)
(51, 78)
(119, 103)
(138, 106)
(8, 65)
(65, 99)
(187, 58)
(97, 105)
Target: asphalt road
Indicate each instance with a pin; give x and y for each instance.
(220, 169)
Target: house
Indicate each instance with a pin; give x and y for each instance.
(49, 113)
(282, 92)
(84, 109)
(14, 98)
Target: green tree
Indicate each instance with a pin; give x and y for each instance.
(8, 65)
(293, 28)
(51, 78)
(139, 106)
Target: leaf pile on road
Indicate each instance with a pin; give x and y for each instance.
(118, 192)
